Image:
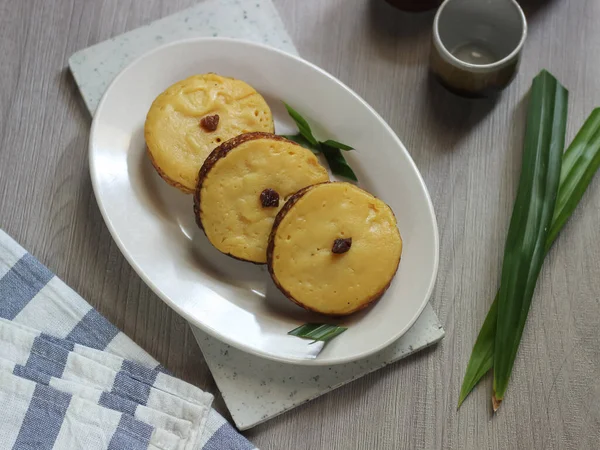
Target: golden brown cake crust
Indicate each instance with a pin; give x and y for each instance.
(271, 246)
(218, 153)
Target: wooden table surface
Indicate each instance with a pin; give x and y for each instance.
(469, 153)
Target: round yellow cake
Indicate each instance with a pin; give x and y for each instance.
(334, 248)
(242, 186)
(192, 117)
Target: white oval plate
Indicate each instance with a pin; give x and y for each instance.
(236, 302)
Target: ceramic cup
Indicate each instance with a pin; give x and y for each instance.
(477, 45)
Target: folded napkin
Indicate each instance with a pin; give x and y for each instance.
(70, 379)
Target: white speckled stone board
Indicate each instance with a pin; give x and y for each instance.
(256, 389)
(254, 20)
(253, 388)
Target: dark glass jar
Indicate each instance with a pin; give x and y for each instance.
(415, 5)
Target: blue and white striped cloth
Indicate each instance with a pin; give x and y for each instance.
(69, 379)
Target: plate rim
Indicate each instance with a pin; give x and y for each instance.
(181, 311)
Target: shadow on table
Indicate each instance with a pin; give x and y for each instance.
(452, 115)
(396, 32)
(73, 94)
(516, 135)
(399, 34)
(532, 7)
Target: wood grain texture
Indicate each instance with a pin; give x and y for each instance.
(469, 154)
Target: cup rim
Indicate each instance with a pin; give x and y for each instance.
(449, 57)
